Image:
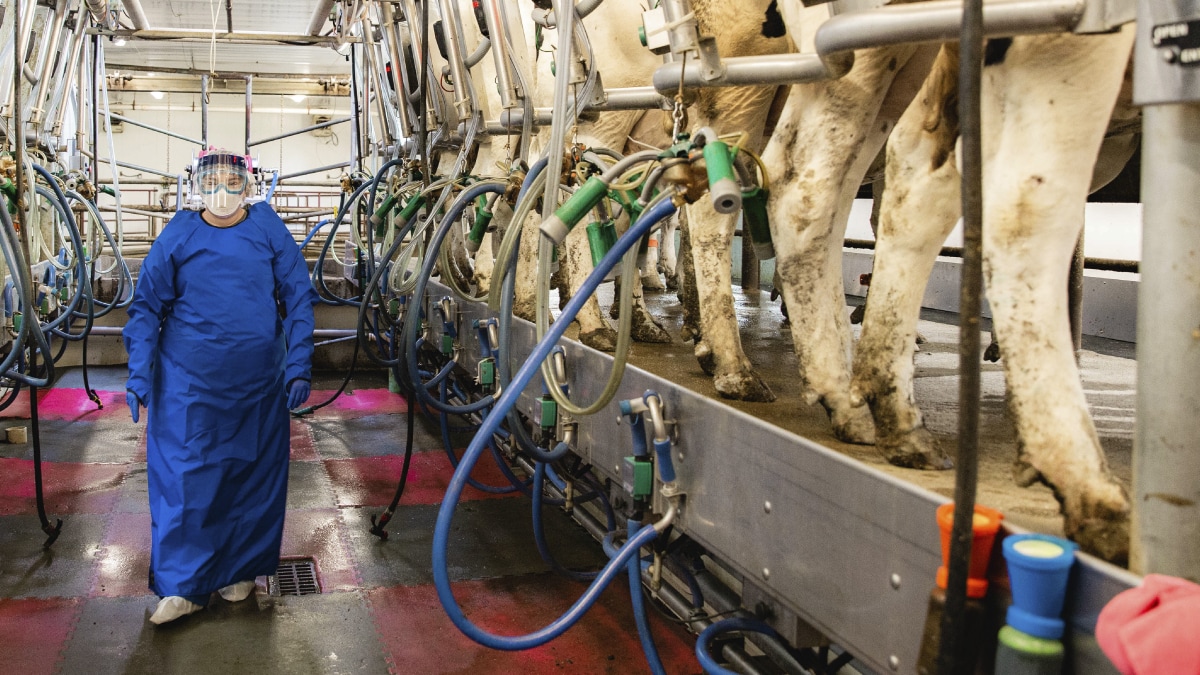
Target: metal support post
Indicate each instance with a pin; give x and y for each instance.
(249, 108)
(498, 29)
(1166, 461)
(356, 154)
(452, 30)
(46, 60)
(399, 73)
(954, 639)
(204, 112)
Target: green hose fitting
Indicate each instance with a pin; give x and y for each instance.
(379, 218)
(754, 215)
(447, 344)
(486, 375)
(629, 203)
(483, 219)
(9, 189)
(558, 226)
(601, 238)
(549, 418)
(411, 207)
(108, 190)
(722, 186)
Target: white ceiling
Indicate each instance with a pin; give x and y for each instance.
(273, 16)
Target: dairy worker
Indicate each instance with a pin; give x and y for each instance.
(220, 348)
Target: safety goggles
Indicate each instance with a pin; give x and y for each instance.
(222, 171)
(227, 179)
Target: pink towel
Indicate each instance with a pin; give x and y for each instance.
(1154, 628)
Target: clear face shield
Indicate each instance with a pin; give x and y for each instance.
(222, 180)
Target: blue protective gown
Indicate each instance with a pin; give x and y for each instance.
(207, 356)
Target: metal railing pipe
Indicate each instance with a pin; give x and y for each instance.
(151, 127)
(308, 172)
(127, 165)
(840, 36)
(297, 132)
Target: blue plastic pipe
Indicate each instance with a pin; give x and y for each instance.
(634, 569)
(531, 367)
(707, 662)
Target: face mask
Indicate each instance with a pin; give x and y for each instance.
(222, 204)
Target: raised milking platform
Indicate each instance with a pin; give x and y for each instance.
(825, 531)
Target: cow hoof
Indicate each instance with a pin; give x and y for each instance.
(743, 386)
(653, 282)
(856, 317)
(648, 331)
(673, 282)
(1106, 538)
(855, 426)
(992, 353)
(921, 339)
(602, 339)
(704, 355)
(917, 449)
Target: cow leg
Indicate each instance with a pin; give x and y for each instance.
(1046, 105)
(920, 207)
(711, 237)
(817, 158)
(668, 256)
(688, 297)
(594, 329)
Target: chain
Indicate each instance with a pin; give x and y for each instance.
(678, 114)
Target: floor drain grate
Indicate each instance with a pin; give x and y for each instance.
(297, 576)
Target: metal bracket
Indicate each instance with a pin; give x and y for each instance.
(711, 67)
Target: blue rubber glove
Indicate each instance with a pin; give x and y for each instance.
(298, 392)
(134, 404)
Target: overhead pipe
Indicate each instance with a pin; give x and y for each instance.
(545, 17)
(841, 35)
(236, 37)
(137, 16)
(319, 17)
(99, 11)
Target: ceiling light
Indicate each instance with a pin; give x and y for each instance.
(297, 97)
(119, 42)
(157, 95)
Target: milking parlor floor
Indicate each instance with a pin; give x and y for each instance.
(1109, 376)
